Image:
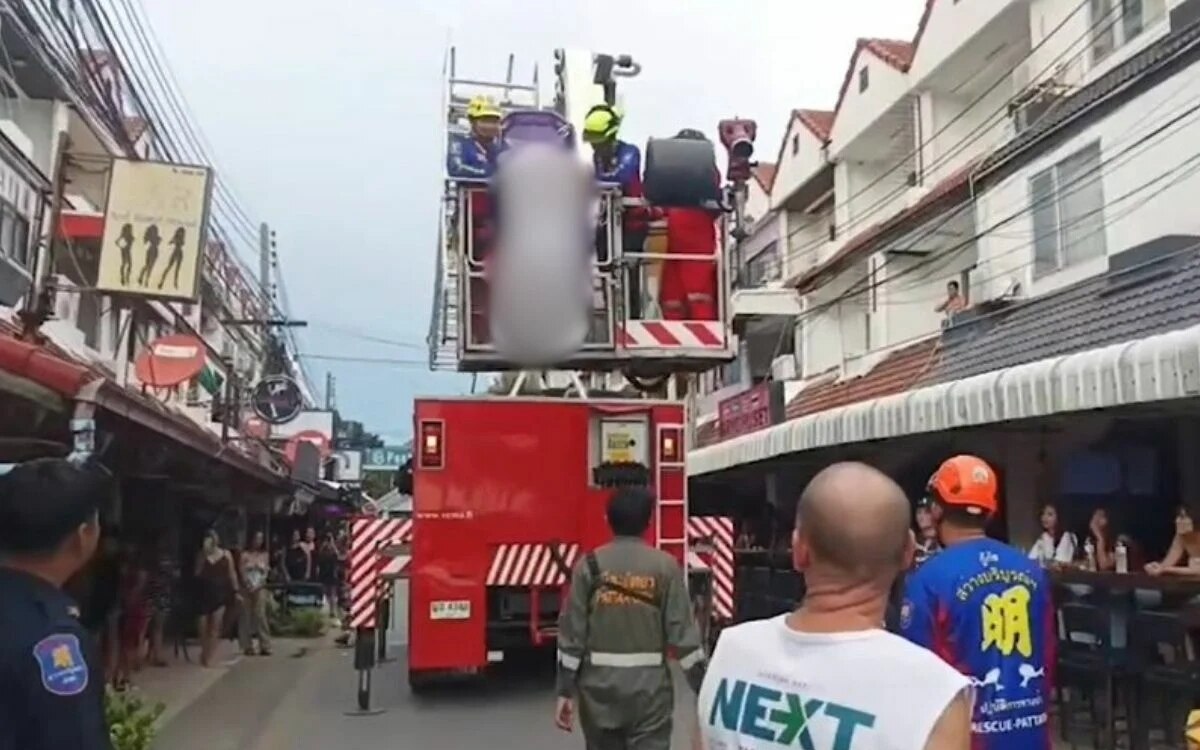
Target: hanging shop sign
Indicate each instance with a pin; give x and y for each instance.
(388, 458)
(348, 466)
(277, 399)
(154, 229)
(171, 360)
(751, 410)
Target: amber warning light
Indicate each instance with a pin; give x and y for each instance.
(432, 445)
(669, 449)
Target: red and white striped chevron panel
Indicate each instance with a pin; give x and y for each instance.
(368, 535)
(395, 567)
(718, 531)
(530, 565)
(673, 334)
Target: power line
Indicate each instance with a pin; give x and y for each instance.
(365, 360)
(856, 289)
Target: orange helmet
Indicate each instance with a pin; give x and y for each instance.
(965, 482)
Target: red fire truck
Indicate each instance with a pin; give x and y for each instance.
(508, 493)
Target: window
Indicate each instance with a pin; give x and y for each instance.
(795, 144)
(14, 234)
(1117, 22)
(1067, 204)
(763, 267)
(864, 79)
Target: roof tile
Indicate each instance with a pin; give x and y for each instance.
(819, 121)
(1150, 297)
(764, 173)
(903, 369)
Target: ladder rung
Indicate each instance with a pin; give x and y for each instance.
(672, 541)
(672, 502)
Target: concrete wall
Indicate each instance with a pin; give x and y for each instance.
(860, 110)
(949, 24)
(796, 167)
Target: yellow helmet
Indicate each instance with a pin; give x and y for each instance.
(482, 106)
(601, 123)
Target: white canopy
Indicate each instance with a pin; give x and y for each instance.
(1155, 368)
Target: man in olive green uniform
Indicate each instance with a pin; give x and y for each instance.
(628, 606)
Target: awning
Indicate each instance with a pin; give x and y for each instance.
(53, 375)
(1154, 368)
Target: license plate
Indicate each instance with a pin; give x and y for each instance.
(450, 610)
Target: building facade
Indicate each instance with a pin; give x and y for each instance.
(1010, 187)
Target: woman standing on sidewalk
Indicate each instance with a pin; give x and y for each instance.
(328, 568)
(164, 573)
(217, 584)
(135, 616)
(255, 565)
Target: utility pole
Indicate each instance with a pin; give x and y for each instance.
(330, 392)
(265, 242)
(39, 304)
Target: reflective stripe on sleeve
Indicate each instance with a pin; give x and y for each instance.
(692, 659)
(569, 662)
(647, 659)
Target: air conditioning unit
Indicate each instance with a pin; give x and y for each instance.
(784, 367)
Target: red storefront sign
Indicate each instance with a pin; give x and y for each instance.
(748, 411)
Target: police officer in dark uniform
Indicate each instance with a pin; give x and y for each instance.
(53, 682)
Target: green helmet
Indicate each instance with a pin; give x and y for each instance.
(601, 124)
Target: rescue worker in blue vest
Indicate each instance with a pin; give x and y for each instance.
(53, 680)
(473, 157)
(986, 609)
(626, 610)
(620, 163)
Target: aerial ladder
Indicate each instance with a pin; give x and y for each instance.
(629, 336)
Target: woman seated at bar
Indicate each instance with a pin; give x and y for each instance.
(1056, 545)
(928, 544)
(1183, 556)
(1099, 546)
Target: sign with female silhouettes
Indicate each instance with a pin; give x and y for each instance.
(154, 229)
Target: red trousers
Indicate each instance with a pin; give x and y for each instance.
(688, 288)
(482, 233)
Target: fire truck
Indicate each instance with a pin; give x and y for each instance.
(510, 490)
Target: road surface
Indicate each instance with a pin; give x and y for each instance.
(293, 702)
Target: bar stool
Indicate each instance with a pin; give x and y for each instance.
(1163, 656)
(1089, 673)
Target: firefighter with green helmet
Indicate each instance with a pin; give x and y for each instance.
(627, 610)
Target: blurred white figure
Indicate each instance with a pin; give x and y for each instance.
(540, 272)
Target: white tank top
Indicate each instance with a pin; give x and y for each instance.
(767, 685)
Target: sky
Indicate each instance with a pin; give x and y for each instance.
(327, 125)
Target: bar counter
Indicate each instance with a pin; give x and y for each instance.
(1167, 583)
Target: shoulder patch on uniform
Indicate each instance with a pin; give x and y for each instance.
(60, 659)
(906, 612)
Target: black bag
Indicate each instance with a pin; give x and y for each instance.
(681, 173)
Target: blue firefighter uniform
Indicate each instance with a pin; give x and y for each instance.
(986, 609)
(467, 158)
(53, 695)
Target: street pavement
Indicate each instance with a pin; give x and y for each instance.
(306, 701)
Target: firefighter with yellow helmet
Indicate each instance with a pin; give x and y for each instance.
(473, 157)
